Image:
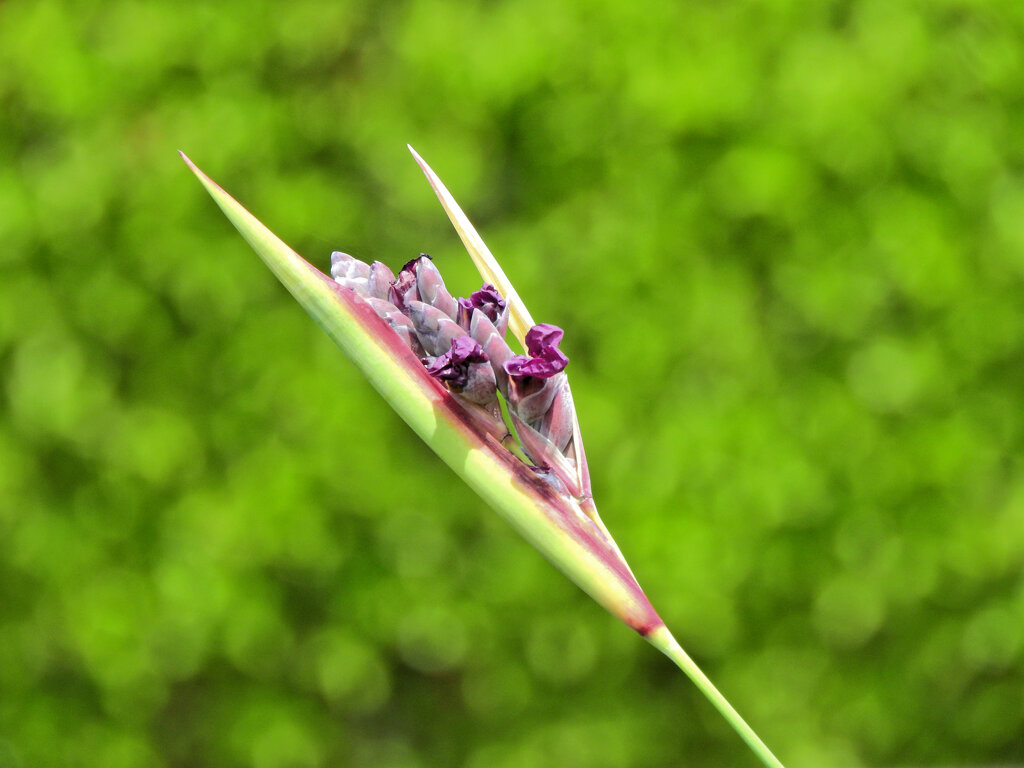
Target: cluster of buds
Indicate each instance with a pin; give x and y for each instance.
(461, 342)
(454, 402)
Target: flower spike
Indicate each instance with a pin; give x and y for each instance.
(550, 522)
(442, 363)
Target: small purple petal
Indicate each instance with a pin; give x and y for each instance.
(545, 359)
(487, 300)
(543, 336)
(453, 366)
(521, 366)
(465, 350)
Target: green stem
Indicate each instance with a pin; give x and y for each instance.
(662, 639)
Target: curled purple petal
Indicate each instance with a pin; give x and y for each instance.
(488, 301)
(520, 366)
(545, 359)
(454, 365)
(543, 336)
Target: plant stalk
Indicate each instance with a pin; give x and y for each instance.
(662, 639)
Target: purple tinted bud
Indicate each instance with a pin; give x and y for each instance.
(493, 342)
(431, 289)
(559, 420)
(531, 396)
(435, 329)
(379, 280)
(399, 323)
(345, 267)
(545, 359)
(350, 273)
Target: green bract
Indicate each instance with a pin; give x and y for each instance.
(563, 526)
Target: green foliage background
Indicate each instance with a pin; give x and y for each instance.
(786, 241)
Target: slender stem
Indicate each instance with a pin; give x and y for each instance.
(662, 639)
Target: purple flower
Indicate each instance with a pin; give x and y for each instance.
(487, 300)
(545, 359)
(453, 365)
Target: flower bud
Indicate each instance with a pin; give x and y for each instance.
(350, 272)
(380, 280)
(434, 328)
(431, 289)
(493, 343)
(399, 323)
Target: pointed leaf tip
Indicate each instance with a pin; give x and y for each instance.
(207, 182)
(519, 317)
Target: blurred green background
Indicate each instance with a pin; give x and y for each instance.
(786, 242)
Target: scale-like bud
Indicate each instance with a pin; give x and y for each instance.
(399, 323)
(493, 343)
(558, 423)
(380, 280)
(431, 289)
(434, 328)
(350, 272)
